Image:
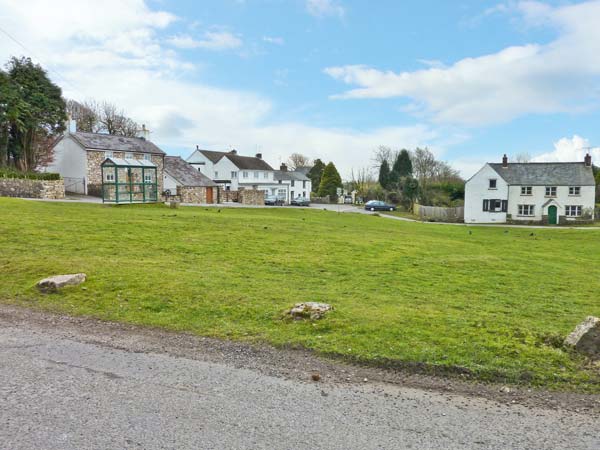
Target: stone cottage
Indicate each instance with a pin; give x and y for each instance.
(181, 179)
(78, 156)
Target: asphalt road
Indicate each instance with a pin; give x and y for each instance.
(58, 391)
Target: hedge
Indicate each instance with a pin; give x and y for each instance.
(11, 173)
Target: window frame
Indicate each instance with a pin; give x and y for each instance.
(575, 191)
(234, 174)
(526, 190)
(548, 191)
(577, 209)
(129, 155)
(526, 210)
(148, 157)
(493, 181)
(245, 174)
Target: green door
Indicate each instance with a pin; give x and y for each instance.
(552, 216)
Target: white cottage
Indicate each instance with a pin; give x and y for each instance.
(549, 193)
(292, 184)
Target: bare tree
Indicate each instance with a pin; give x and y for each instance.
(298, 160)
(94, 117)
(522, 157)
(383, 153)
(424, 164)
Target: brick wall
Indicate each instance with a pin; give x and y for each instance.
(18, 187)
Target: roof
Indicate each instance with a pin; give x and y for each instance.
(99, 141)
(304, 169)
(242, 162)
(185, 174)
(290, 175)
(120, 162)
(546, 174)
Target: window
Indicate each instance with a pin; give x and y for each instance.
(494, 205)
(292, 183)
(266, 175)
(304, 194)
(216, 175)
(304, 185)
(526, 210)
(525, 190)
(128, 155)
(292, 194)
(280, 182)
(108, 154)
(245, 174)
(493, 183)
(233, 175)
(148, 157)
(256, 174)
(574, 190)
(550, 191)
(573, 210)
(281, 193)
(148, 178)
(109, 177)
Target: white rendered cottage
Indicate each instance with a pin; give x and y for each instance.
(549, 193)
(292, 184)
(234, 172)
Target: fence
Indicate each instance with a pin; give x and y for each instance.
(439, 213)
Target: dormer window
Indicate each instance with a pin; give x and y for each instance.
(492, 183)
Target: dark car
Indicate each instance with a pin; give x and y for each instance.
(377, 205)
(301, 201)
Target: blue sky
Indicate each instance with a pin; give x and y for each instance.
(330, 78)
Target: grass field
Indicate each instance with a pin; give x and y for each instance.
(487, 303)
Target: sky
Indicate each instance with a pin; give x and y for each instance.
(331, 79)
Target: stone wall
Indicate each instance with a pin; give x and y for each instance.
(94, 169)
(229, 196)
(196, 194)
(19, 187)
(252, 197)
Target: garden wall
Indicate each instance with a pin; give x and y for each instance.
(439, 213)
(252, 197)
(26, 188)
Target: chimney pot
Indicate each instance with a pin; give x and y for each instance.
(588, 160)
(505, 161)
(283, 167)
(197, 147)
(259, 155)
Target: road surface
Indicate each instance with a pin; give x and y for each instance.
(59, 389)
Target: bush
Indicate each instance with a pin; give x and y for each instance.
(11, 173)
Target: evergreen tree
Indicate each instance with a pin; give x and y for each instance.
(403, 165)
(330, 181)
(384, 175)
(315, 174)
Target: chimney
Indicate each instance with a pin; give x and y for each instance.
(259, 155)
(197, 147)
(144, 133)
(283, 167)
(505, 161)
(588, 160)
(70, 125)
(233, 151)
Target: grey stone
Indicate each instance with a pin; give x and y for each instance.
(314, 310)
(52, 284)
(586, 337)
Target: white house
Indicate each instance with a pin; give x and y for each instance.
(292, 184)
(234, 172)
(549, 193)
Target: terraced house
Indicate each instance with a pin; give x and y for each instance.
(546, 193)
(78, 157)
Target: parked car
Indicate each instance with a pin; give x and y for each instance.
(271, 200)
(301, 201)
(378, 205)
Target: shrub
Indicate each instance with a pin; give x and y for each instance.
(11, 173)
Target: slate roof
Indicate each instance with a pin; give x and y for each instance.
(242, 162)
(304, 169)
(546, 174)
(290, 175)
(99, 141)
(185, 174)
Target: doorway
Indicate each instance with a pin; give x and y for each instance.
(552, 215)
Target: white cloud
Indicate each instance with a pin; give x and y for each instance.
(324, 8)
(560, 76)
(121, 58)
(212, 40)
(569, 149)
(273, 40)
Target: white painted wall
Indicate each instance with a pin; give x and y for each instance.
(222, 171)
(538, 199)
(477, 189)
(70, 161)
(298, 190)
(199, 161)
(169, 183)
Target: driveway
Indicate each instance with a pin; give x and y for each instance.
(65, 386)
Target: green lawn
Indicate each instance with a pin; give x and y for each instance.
(487, 302)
